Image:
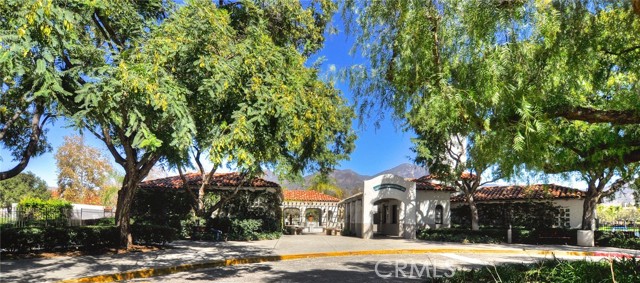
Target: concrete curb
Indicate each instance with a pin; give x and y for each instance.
(151, 272)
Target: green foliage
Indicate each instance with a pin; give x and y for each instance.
(618, 239)
(244, 229)
(492, 236)
(167, 208)
(611, 214)
(24, 185)
(87, 238)
(38, 212)
(153, 234)
(528, 215)
(152, 78)
(554, 270)
(326, 185)
(529, 85)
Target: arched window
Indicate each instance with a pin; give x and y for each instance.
(438, 214)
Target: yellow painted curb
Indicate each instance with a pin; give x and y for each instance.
(150, 272)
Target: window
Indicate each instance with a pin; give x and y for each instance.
(438, 214)
(564, 218)
(394, 214)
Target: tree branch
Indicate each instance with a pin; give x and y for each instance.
(591, 115)
(32, 146)
(106, 138)
(9, 123)
(623, 51)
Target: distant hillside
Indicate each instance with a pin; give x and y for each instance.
(353, 182)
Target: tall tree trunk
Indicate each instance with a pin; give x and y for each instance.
(475, 222)
(589, 205)
(123, 212)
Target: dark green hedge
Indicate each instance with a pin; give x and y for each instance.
(617, 239)
(555, 236)
(242, 229)
(87, 238)
(526, 215)
(492, 236)
(237, 219)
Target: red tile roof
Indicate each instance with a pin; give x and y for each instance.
(300, 195)
(538, 191)
(430, 183)
(195, 179)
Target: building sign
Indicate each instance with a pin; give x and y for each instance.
(389, 186)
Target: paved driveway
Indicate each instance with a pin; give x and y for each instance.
(325, 265)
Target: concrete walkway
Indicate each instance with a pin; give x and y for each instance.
(193, 255)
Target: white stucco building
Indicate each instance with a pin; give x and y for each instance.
(313, 211)
(395, 206)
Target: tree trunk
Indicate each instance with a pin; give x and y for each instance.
(589, 209)
(123, 212)
(201, 193)
(475, 222)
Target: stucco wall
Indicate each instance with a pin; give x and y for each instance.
(425, 212)
(575, 210)
(407, 205)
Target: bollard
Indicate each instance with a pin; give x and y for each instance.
(509, 235)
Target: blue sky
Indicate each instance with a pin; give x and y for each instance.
(377, 149)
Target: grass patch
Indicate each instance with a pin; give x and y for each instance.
(555, 270)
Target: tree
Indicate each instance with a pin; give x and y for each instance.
(549, 86)
(265, 108)
(326, 185)
(140, 75)
(82, 171)
(24, 185)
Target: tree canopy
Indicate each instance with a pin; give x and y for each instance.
(83, 171)
(24, 185)
(152, 78)
(542, 85)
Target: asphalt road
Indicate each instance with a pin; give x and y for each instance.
(378, 268)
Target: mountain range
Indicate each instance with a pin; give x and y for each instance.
(350, 181)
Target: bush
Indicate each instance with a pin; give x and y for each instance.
(38, 212)
(153, 234)
(626, 270)
(17, 240)
(529, 215)
(245, 229)
(490, 236)
(617, 239)
(87, 238)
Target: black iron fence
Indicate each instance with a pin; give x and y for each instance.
(41, 217)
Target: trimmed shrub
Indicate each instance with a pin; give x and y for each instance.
(87, 238)
(153, 234)
(19, 240)
(38, 212)
(491, 236)
(529, 215)
(618, 239)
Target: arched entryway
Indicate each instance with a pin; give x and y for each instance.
(386, 219)
(291, 216)
(313, 217)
